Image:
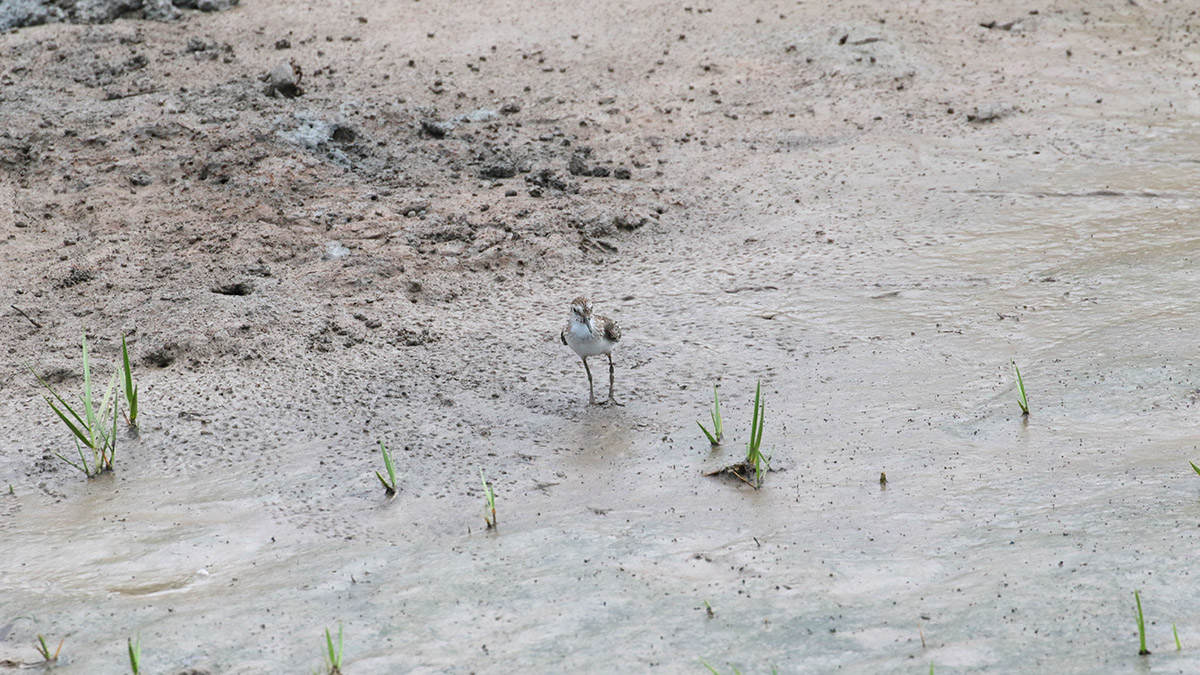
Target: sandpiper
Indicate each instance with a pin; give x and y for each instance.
(591, 335)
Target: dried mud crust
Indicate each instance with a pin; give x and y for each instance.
(154, 168)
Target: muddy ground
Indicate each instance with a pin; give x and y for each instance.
(324, 225)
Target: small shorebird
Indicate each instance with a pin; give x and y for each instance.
(590, 335)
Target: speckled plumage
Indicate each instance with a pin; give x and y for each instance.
(587, 335)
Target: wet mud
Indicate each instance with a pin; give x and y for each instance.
(872, 210)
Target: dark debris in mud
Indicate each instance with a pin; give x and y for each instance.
(744, 471)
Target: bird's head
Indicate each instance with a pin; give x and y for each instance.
(581, 308)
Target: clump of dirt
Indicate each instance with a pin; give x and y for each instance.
(19, 13)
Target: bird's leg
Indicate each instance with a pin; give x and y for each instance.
(611, 398)
(591, 388)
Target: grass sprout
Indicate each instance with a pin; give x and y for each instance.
(753, 469)
(130, 389)
(91, 427)
(754, 456)
(335, 655)
(389, 485)
(1178, 647)
(1141, 624)
(135, 654)
(490, 503)
(45, 650)
(709, 610)
(718, 431)
(1021, 399)
(1194, 467)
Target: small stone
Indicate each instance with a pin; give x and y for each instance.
(990, 112)
(284, 80)
(434, 128)
(499, 170)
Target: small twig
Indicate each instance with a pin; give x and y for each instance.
(22, 313)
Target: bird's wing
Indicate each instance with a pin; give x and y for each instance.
(563, 336)
(612, 331)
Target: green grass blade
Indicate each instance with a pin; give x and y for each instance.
(1141, 624)
(74, 429)
(387, 463)
(83, 460)
(762, 421)
(335, 656)
(717, 426)
(112, 448)
(135, 654)
(85, 471)
(88, 410)
(712, 670)
(129, 388)
(1194, 467)
(490, 496)
(1178, 647)
(1023, 401)
(756, 422)
(710, 437)
(104, 439)
(58, 398)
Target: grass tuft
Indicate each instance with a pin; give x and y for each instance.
(1141, 624)
(135, 654)
(335, 655)
(45, 650)
(1021, 399)
(130, 389)
(490, 501)
(389, 485)
(87, 422)
(718, 431)
(754, 456)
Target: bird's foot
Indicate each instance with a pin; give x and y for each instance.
(613, 401)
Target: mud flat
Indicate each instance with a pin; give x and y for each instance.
(322, 226)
